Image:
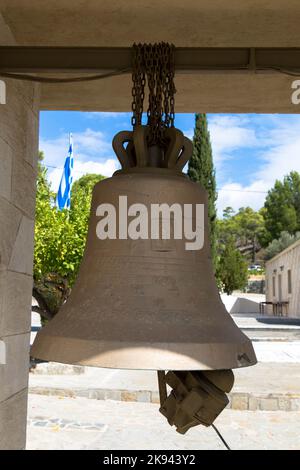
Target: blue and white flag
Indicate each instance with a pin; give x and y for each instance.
(63, 198)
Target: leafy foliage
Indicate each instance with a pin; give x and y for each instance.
(60, 235)
(282, 208)
(246, 227)
(232, 270)
(201, 169)
(285, 240)
(60, 238)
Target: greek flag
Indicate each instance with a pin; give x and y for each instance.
(63, 197)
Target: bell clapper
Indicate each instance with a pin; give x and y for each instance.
(162, 386)
(197, 397)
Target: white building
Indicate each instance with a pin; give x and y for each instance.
(283, 282)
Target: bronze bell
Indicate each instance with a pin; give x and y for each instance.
(148, 303)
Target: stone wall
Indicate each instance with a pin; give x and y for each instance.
(18, 166)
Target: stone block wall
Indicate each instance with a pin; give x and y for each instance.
(18, 167)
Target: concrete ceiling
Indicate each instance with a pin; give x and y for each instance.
(194, 23)
(186, 23)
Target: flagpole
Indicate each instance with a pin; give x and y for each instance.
(63, 198)
(71, 168)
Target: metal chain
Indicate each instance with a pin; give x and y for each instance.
(138, 88)
(156, 64)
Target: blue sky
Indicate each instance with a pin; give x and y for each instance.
(250, 151)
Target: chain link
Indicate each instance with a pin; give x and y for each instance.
(154, 64)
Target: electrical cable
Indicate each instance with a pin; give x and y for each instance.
(221, 437)
(281, 70)
(35, 78)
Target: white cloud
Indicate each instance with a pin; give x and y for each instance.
(236, 195)
(278, 155)
(86, 144)
(106, 168)
(228, 133)
(227, 139)
(91, 142)
(92, 154)
(55, 151)
(103, 115)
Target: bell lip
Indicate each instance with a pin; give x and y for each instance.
(154, 356)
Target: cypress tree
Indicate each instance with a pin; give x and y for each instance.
(201, 169)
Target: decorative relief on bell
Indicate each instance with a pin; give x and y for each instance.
(173, 154)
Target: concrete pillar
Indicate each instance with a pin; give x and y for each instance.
(18, 165)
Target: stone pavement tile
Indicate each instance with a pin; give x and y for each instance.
(271, 377)
(134, 425)
(281, 352)
(99, 378)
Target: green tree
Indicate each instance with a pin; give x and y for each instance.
(226, 227)
(285, 240)
(250, 229)
(60, 238)
(282, 208)
(228, 213)
(80, 209)
(246, 227)
(232, 270)
(201, 169)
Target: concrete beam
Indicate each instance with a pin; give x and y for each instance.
(104, 59)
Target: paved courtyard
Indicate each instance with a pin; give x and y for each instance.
(61, 417)
(80, 423)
